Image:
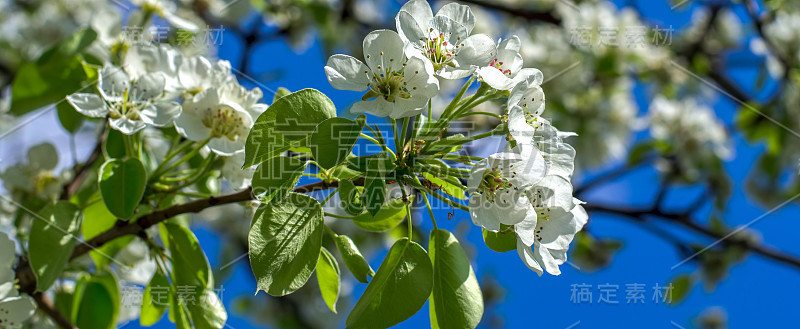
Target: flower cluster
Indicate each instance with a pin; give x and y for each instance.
(157, 86)
(526, 188)
(14, 309)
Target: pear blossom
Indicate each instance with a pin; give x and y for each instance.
(130, 104)
(397, 86)
(497, 186)
(14, 309)
(142, 59)
(196, 74)
(36, 176)
(223, 115)
(550, 237)
(444, 39)
(238, 178)
(505, 71)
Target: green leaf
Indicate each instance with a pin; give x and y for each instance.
(287, 124)
(189, 263)
(97, 219)
(450, 188)
(456, 301)
(353, 259)
(122, 184)
(333, 140)
(70, 119)
(375, 187)
(276, 177)
(114, 146)
(500, 242)
(96, 302)
(387, 218)
(58, 73)
(52, 239)
(350, 196)
(328, 277)
(285, 241)
(206, 310)
(154, 300)
(399, 289)
(681, 285)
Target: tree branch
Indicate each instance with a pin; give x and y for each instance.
(642, 215)
(47, 307)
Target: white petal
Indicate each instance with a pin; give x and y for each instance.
(418, 10)
(461, 14)
(147, 87)
(543, 257)
(161, 114)
(112, 82)
(383, 49)
(527, 256)
(420, 79)
(553, 197)
(477, 51)
(7, 248)
(15, 310)
(408, 107)
(377, 107)
(191, 126)
(195, 72)
(453, 31)
(180, 22)
(226, 147)
(409, 30)
(480, 213)
(526, 229)
(513, 43)
(347, 73)
(127, 126)
(518, 125)
(89, 105)
(476, 175)
(7, 289)
(495, 79)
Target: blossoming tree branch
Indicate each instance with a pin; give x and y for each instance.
(309, 191)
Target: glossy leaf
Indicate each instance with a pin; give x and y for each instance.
(97, 219)
(276, 177)
(154, 300)
(122, 184)
(399, 289)
(350, 196)
(96, 302)
(285, 241)
(206, 310)
(500, 241)
(375, 187)
(53, 237)
(456, 301)
(353, 259)
(333, 140)
(287, 124)
(328, 277)
(189, 263)
(388, 217)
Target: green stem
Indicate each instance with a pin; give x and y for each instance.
(330, 231)
(446, 200)
(339, 216)
(397, 141)
(478, 113)
(458, 97)
(404, 133)
(427, 205)
(369, 138)
(330, 195)
(185, 158)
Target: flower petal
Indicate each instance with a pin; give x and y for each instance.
(526, 229)
(461, 14)
(378, 107)
(476, 51)
(383, 49)
(161, 114)
(16, 310)
(195, 72)
(112, 82)
(226, 147)
(420, 79)
(418, 10)
(347, 73)
(89, 105)
(495, 79)
(528, 257)
(409, 29)
(147, 87)
(127, 126)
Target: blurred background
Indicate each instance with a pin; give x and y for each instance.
(687, 154)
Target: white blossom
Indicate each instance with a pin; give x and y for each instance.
(444, 39)
(14, 309)
(505, 70)
(397, 86)
(130, 104)
(167, 10)
(223, 114)
(238, 178)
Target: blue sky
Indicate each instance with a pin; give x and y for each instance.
(758, 293)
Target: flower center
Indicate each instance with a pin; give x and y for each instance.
(386, 82)
(499, 65)
(492, 183)
(439, 51)
(224, 121)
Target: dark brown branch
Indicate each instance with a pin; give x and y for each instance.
(47, 307)
(83, 170)
(686, 221)
(27, 281)
(543, 16)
